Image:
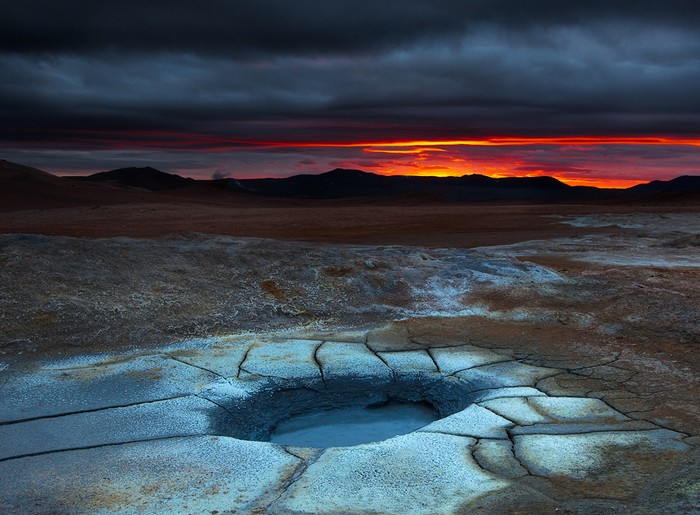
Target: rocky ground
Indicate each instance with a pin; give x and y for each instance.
(608, 303)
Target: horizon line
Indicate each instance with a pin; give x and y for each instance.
(530, 176)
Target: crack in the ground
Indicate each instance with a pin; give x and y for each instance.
(297, 474)
(557, 371)
(473, 452)
(393, 372)
(454, 374)
(105, 364)
(99, 446)
(593, 430)
(536, 409)
(436, 347)
(423, 348)
(527, 400)
(592, 394)
(660, 426)
(245, 357)
(432, 357)
(545, 390)
(318, 363)
(285, 448)
(280, 378)
(596, 394)
(631, 412)
(499, 415)
(497, 350)
(459, 435)
(524, 466)
(94, 410)
(593, 374)
(507, 396)
(200, 368)
(215, 403)
(412, 336)
(609, 363)
(242, 369)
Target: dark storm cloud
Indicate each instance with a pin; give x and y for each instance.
(572, 80)
(206, 76)
(282, 26)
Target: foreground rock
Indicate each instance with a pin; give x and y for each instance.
(178, 429)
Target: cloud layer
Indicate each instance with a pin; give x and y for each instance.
(220, 77)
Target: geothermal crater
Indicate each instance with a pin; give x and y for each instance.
(194, 406)
(344, 411)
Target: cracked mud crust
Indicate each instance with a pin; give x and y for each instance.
(575, 358)
(502, 429)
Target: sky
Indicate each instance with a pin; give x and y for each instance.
(602, 93)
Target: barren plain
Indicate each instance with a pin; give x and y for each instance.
(603, 297)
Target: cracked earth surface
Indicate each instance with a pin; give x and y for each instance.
(567, 370)
(183, 406)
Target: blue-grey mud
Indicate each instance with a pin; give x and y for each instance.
(344, 427)
(148, 375)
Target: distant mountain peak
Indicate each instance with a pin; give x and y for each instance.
(682, 183)
(348, 171)
(145, 177)
(146, 169)
(9, 170)
(344, 182)
(132, 170)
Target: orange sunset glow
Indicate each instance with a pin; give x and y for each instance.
(439, 166)
(599, 161)
(507, 141)
(436, 157)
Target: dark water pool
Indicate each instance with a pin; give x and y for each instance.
(353, 426)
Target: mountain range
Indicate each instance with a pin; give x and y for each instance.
(341, 183)
(145, 178)
(36, 188)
